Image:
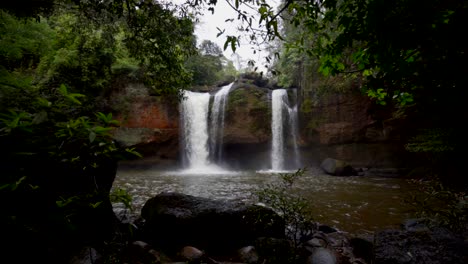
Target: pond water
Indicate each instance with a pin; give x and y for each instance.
(357, 205)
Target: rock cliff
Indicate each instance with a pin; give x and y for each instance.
(348, 126)
(149, 123)
(345, 126)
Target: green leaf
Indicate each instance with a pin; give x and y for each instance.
(92, 136)
(73, 97)
(63, 89)
(43, 102)
(34, 187)
(133, 152)
(95, 205)
(101, 116)
(233, 45)
(40, 117)
(101, 130)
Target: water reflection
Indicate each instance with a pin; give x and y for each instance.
(353, 204)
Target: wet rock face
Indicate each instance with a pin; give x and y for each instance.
(338, 119)
(351, 127)
(136, 108)
(173, 220)
(248, 116)
(149, 123)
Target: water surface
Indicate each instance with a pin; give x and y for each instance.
(358, 205)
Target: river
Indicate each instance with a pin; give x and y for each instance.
(357, 205)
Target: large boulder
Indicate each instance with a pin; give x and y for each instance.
(337, 167)
(174, 220)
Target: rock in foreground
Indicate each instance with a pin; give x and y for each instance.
(437, 246)
(174, 220)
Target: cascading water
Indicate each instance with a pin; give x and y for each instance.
(202, 141)
(217, 123)
(194, 113)
(293, 124)
(280, 108)
(278, 98)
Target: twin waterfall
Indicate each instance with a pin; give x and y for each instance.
(202, 131)
(202, 136)
(279, 110)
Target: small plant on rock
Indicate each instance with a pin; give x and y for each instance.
(282, 198)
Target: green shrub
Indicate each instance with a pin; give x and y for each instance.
(293, 208)
(443, 206)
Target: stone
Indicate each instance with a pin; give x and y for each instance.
(438, 246)
(362, 248)
(248, 255)
(416, 225)
(191, 253)
(337, 239)
(316, 242)
(155, 256)
(175, 220)
(326, 229)
(142, 252)
(87, 255)
(142, 245)
(274, 250)
(322, 256)
(337, 167)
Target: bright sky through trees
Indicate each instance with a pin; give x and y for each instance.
(208, 26)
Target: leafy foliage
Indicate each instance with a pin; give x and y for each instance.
(444, 206)
(290, 206)
(58, 155)
(121, 196)
(209, 65)
(431, 141)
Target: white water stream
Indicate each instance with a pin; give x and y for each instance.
(217, 123)
(194, 109)
(278, 98)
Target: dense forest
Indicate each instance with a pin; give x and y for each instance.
(60, 59)
(406, 56)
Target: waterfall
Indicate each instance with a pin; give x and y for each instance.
(278, 98)
(217, 123)
(202, 130)
(279, 110)
(201, 140)
(293, 124)
(194, 113)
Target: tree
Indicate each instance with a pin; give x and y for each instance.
(407, 55)
(58, 155)
(209, 48)
(209, 65)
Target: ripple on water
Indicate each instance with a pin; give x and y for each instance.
(352, 204)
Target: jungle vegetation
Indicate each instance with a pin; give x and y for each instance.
(58, 59)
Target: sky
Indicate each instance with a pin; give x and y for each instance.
(207, 29)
